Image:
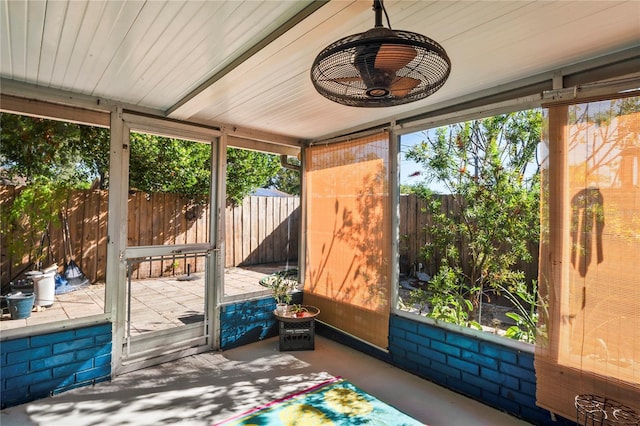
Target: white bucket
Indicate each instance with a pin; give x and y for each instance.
(44, 286)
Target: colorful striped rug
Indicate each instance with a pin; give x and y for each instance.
(334, 402)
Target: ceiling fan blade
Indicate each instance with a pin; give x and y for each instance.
(346, 79)
(392, 57)
(348, 83)
(403, 85)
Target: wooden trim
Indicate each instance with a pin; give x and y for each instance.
(256, 145)
(170, 128)
(36, 108)
(262, 136)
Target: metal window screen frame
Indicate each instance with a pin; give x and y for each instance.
(348, 236)
(589, 334)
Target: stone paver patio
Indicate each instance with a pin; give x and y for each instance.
(157, 303)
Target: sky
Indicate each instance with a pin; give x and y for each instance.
(409, 167)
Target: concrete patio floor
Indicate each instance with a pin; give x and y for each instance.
(157, 303)
(211, 387)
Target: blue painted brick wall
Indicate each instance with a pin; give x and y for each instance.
(497, 375)
(249, 321)
(38, 366)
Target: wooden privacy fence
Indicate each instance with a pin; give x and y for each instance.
(261, 230)
(414, 220)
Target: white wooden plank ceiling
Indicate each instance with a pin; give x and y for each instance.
(169, 56)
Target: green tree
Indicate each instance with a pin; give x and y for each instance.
(68, 155)
(419, 189)
(94, 146)
(248, 170)
(159, 164)
(34, 148)
(49, 157)
(287, 180)
(54, 157)
(485, 165)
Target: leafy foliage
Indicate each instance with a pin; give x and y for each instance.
(34, 148)
(287, 180)
(54, 157)
(35, 207)
(282, 284)
(420, 190)
(446, 298)
(484, 164)
(74, 156)
(526, 303)
(167, 165)
(248, 170)
(48, 156)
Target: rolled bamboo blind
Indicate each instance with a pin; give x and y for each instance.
(348, 229)
(589, 334)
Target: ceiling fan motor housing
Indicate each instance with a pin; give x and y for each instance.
(379, 68)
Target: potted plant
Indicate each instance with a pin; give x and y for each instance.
(297, 311)
(281, 287)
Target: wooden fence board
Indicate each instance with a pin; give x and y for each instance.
(290, 221)
(286, 230)
(229, 250)
(132, 224)
(261, 226)
(202, 233)
(147, 230)
(191, 216)
(269, 230)
(278, 224)
(8, 263)
(245, 209)
(412, 224)
(90, 234)
(101, 252)
(254, 225)
(175, 230)
(181, 236)
(144, 232)
(403, 236)
(56, 252)
(421, 235)
(157, 230)
(237, 235)
(167, 237)
(261, 230)
(77, 226)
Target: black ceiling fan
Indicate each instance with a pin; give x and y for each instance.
(380, 67)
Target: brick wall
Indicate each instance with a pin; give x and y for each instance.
(35, 367)
(497, 375)
(249, 321)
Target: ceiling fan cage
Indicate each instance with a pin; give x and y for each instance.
(380, 68)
